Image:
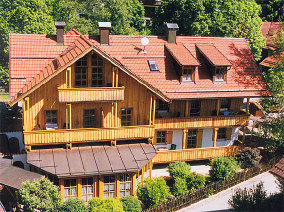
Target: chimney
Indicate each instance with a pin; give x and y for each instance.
(172, 28)
(104, 32)
(59, 31)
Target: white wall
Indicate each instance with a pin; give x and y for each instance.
(19, 136)
(208, 142)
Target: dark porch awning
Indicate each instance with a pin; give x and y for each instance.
(92, 160)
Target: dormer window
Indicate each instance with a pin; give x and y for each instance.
(153, 65)
(187, 75)
(220, 74)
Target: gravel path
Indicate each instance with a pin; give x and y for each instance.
(219, 201)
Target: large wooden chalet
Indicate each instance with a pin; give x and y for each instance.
(98, 111)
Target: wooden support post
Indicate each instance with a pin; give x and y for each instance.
(154, 110)
(113, 75)
(117, 185)
(142, 176)
(102, 117)
(133, 185)
(184, 138)
(68, 145)
(61, 188)
(70, 76)
(79, 188)
(116, 114)
(218, 106)
(247, 108)
(66, 118)
(151, 167)
(113, 143)
(96, 186)
(244, 134)
(28, 148)
(151, 105)
(24, 115)
(186, 109)
(101, 187)
(70, 116)
(215, 133)
(116, 78)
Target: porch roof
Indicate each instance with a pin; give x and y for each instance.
(92, 160)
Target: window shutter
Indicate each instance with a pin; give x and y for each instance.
(199, 138)
(169, 137)
(155, 138)
(228, 133)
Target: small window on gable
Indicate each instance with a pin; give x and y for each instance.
(187, 74)
(153, 65)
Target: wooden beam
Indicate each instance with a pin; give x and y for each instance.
(70, 116)
(186, 108)
(215, 133)
(116, 114)
(61, 188)
(101, 187)
(218, 106)
(79, 188)
(67, 118)
(150, 113)
(95, 186)
(154, 110)
(24, 115)
(184, 138)
(70, 76)
(133, 185)
(116, 78)
(247, 108)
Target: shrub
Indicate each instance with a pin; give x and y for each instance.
(41, 194)
(249, 157)
(180, 187)
(74, 205)
(105, 205)
(195, 181)
(248, 199)
(131, 204)
(154, 192)
(223, 167)
(179, 170)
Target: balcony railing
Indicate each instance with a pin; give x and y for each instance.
(100, 94)
(63, 136)
(167, 156)
(200, 122)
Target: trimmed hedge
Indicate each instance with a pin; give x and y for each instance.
(223, 167)
(153, 192)
(105, 205)
(74, 205)
(131, 204)
(179, 170)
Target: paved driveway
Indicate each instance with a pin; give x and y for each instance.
(219, 201)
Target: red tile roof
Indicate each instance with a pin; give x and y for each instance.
(270, 61)
(278, 169)
(32, 59)
(214, 56)
(182, 55)
(268, 30)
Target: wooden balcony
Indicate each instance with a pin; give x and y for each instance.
(100, 94)
(63, 136)
(201, 122)
(168, 156)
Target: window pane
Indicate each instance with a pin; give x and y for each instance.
(90, 196)
(90, 189)
(111, 187)
(73, 191)
(84, 190)
(122, 186)
(106, 195)
(84, 198)
(106, 187)
(122, 194)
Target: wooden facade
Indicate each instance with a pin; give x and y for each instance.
(168, 156)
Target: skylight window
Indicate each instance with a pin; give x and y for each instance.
(153, 65)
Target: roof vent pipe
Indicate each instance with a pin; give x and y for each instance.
(104, 32)
(59, 32)
(172, 28)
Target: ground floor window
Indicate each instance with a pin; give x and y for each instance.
(109, 186)
(125, 185)
(70, 189)
(161, 137)
(191, 139)
(87, 189)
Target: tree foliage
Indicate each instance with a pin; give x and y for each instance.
(231, 18)
(222, 168)
(131, 204)
(42, 195)
(73, 205)
(248, 157)
(272, 10)
(179, 170)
